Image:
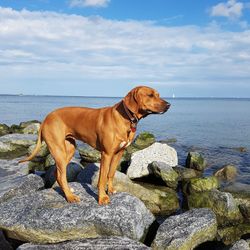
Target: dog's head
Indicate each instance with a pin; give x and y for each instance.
(143, 101)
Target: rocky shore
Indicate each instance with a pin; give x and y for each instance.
(159, 204)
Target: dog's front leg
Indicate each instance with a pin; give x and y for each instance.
(103, 175)
(114, 163)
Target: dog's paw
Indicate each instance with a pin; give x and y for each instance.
(104, 200)
(72, 198)
(112, 191)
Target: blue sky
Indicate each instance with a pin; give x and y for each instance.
(106, 47)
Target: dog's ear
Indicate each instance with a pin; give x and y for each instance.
(132, 100)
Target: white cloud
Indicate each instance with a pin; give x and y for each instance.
(89, 3)
(230, 9)
(55, 47)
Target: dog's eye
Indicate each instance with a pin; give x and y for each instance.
(150, 95)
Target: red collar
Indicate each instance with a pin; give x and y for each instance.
(132, 117)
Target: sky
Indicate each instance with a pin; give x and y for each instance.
(106, 47)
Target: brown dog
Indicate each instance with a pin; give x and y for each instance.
(110, 130)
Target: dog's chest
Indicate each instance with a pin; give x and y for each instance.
(124, 144)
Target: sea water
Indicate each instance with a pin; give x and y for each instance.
(215, 127)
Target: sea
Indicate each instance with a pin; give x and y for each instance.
(218, 128)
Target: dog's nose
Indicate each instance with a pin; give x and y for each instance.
(168, 105)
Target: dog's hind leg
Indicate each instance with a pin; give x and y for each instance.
(62, 152)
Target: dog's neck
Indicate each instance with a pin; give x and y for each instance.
(131, 116)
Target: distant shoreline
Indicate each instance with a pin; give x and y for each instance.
(167, 97)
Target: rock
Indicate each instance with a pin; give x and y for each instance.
(187, 230)
(144, 140)
(237, 187)
(4, 244)
(32, 128)
(126, 158)
(156, 152)
(28, 127)
(243, 201)
(43, 152)
(240, 245)
(196, 161)
(186, 173)
(15, 145)
(168, 140)
(15, 181)
(35, 166)
(165, 172)
(228, 235)
(159, 201)
(89, 154)
(4, 129)
(28, 123)
(38, 162)
(12, 167)
(49, 161)
(73, 169)
(15, 129)
(46, 217)
(102, 243)
(222, 204)
(17, 185)
(19, 139)
(203, 184)
(228, 173)
(241, 149)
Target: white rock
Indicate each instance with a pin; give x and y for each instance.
(156, 152)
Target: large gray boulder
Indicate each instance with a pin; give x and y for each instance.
(15, 145)
(158, 200)
(12, 167)
(15, 180)
(102, 243)
(16, 185)
(156, 152)
(186, 231)
(46, 217)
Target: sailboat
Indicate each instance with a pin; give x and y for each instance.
(173, 96)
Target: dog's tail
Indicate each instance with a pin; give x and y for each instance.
(38, 145)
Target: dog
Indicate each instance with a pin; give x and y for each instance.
(109, 130)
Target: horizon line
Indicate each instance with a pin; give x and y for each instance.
(90, 96)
